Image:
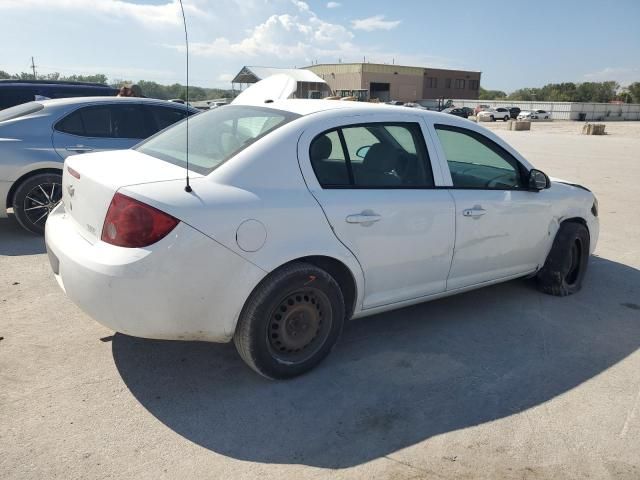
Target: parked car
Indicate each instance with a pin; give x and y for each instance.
(16, 92)
(302, 214)
(514, 112)
(494, 114)
(38, 136)
(535, 115)
(470, 112)
(458, 112)
(481, 108)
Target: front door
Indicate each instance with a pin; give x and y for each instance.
(501, 226)
(375, 184)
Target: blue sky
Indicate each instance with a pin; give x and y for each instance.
(514, 43)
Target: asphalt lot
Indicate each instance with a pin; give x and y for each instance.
(502, 382)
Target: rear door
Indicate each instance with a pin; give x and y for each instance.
(376, 185)
(501, 226)
(101, 127)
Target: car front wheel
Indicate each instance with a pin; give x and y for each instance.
(34, 199)
(566, 264)
(291, 321)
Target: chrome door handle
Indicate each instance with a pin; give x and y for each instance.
(475, 212)
(365, 218)
(79, 149)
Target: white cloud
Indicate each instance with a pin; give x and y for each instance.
(149, 15)
(377, 22)
(225, 77)
(286, 37)
(333, 4)
(622, 75)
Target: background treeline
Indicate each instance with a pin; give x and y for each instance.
(602, 92)
(149, 89)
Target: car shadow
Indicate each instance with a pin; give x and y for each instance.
(15, 240)
(395, 379)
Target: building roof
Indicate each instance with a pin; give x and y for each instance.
(360, 67)
(251, 74)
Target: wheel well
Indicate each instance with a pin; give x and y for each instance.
(579, 220)
(341, 273)
(26, 176)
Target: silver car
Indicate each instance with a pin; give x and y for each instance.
(36, 137)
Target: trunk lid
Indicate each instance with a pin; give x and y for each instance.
(86, 199)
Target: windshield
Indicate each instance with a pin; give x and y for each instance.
(214, 136)
(20, 111)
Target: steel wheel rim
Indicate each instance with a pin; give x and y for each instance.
(299, 325)
(574, 266)
(40, 200)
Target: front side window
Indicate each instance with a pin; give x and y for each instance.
(162, 117)
(477, 162)
(214, 136)
(372, 155)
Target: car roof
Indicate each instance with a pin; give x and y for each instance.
(308, 107)
(59, 102)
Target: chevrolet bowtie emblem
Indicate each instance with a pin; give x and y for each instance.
(71, 190)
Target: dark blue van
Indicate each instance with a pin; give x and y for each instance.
(15, 92)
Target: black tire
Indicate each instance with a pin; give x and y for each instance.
(505, 119)
(493, 119)
(566, 264)
(291, 321)
(34, 198)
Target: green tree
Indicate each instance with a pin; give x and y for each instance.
(634, 91)
(491, 94)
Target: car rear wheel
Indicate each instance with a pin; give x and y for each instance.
(291, 321)
(506, 117)
(493, 119)
(566, 264)
(34, 199)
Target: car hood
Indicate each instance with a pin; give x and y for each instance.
(567, 182)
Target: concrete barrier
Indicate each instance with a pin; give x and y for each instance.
(593, 129)
(519, 125)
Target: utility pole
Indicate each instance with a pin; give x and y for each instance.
(33, 67)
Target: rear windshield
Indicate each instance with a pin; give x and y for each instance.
(20, 111)
(214, 136)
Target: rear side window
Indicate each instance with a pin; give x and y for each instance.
(20, 111)
(375, 155)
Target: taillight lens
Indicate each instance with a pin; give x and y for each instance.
(131, 223)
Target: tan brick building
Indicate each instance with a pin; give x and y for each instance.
(396, 82)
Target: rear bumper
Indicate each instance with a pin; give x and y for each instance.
(184, 287)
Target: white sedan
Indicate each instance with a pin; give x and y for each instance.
(493, 114)
(535, 115)
(302, 214)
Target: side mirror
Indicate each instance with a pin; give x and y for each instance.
(362, 151)
(538, 180)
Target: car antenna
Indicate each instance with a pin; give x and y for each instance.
(187, 187)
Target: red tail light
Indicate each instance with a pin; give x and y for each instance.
(130, 223)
